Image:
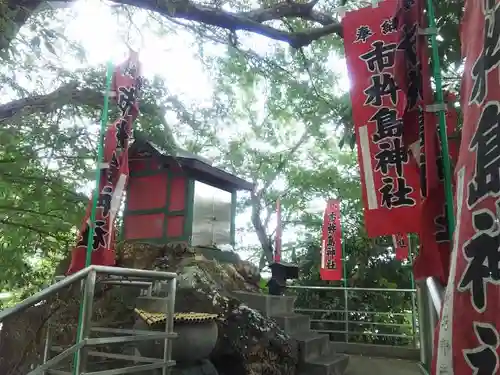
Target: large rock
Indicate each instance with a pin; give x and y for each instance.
(248, 343)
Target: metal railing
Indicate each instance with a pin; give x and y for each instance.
(430, 295)
(122, 276)
(347, 314)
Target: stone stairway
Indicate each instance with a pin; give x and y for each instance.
(316, 354)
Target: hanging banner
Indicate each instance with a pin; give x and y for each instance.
(413, 75)
(452, 127)
(435, 245)
(400, 243)
(125, 87)
(277, 250)
(331, 249)
(433, 258)
(389, 176)
(468, 334)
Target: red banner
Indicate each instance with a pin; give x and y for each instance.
(413, 75)
(468, 334)
(277, 250)
(114, 171)
(331, 250)
(400, 243)
(452, 127)
(389, 176)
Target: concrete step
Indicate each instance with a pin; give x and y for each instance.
(311, 345)
(293, 323)
(267, 305)
(328, 364)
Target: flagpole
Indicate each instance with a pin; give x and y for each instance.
(346, 299)
(442, 121)
(100, 152)
(91, 223)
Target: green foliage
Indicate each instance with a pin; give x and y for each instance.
(279, 117)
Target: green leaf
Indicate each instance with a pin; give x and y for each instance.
(35, 42)
(341, 142)
(352, 141)
(49, 47)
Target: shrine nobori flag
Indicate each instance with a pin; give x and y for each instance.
(126, 84)
(468, 339)
(331, 249)
(389, 177)
(401, 246)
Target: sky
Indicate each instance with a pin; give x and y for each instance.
(172, 57)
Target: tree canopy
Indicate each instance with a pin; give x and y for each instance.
(278, 114)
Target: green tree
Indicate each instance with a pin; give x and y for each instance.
(287, 100)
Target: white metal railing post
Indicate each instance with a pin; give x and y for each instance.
(80, 359)
(169, 325)
(426, 323)
(47, 343)
(414, 319)
(351, 318)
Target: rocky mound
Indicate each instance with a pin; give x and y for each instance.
(248, 343)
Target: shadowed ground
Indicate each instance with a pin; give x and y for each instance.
(359, 365)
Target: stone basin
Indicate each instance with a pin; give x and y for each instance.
(195, 341)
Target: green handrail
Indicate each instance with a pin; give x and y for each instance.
(91, 225)
(442, 122)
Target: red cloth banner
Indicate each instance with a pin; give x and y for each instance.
(413, 75)
(468, 334)
(125, 85)
(452, 127)
(331, 249)
(400, 243)
(277, 249)
(389, 176)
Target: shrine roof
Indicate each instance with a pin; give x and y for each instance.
(197, 167)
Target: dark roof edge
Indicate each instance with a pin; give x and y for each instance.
(213, 174)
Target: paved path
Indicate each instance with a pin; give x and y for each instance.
(360, 365)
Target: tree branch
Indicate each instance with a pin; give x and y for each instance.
(256, 197)
(251, 21)
(29, 211)
(70, 93)
(30, 228)
(284, 162)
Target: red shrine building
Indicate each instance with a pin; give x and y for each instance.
(180, 198)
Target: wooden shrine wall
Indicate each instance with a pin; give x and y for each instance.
(159, 203)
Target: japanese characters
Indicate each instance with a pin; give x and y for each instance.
(400, 243)
(113, 174)
(331, 253)
(475, 272)
(390, 183)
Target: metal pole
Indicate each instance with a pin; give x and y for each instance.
(433, 319)
(91, 224)
(346, 315)
(414, 319)
(384, 290)
(42, 295)
(80, 358)
(442, 122)
(169, 326)
(48, 344)
(100, 154)
(411, 247)
(346, 297)
(425, 325)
